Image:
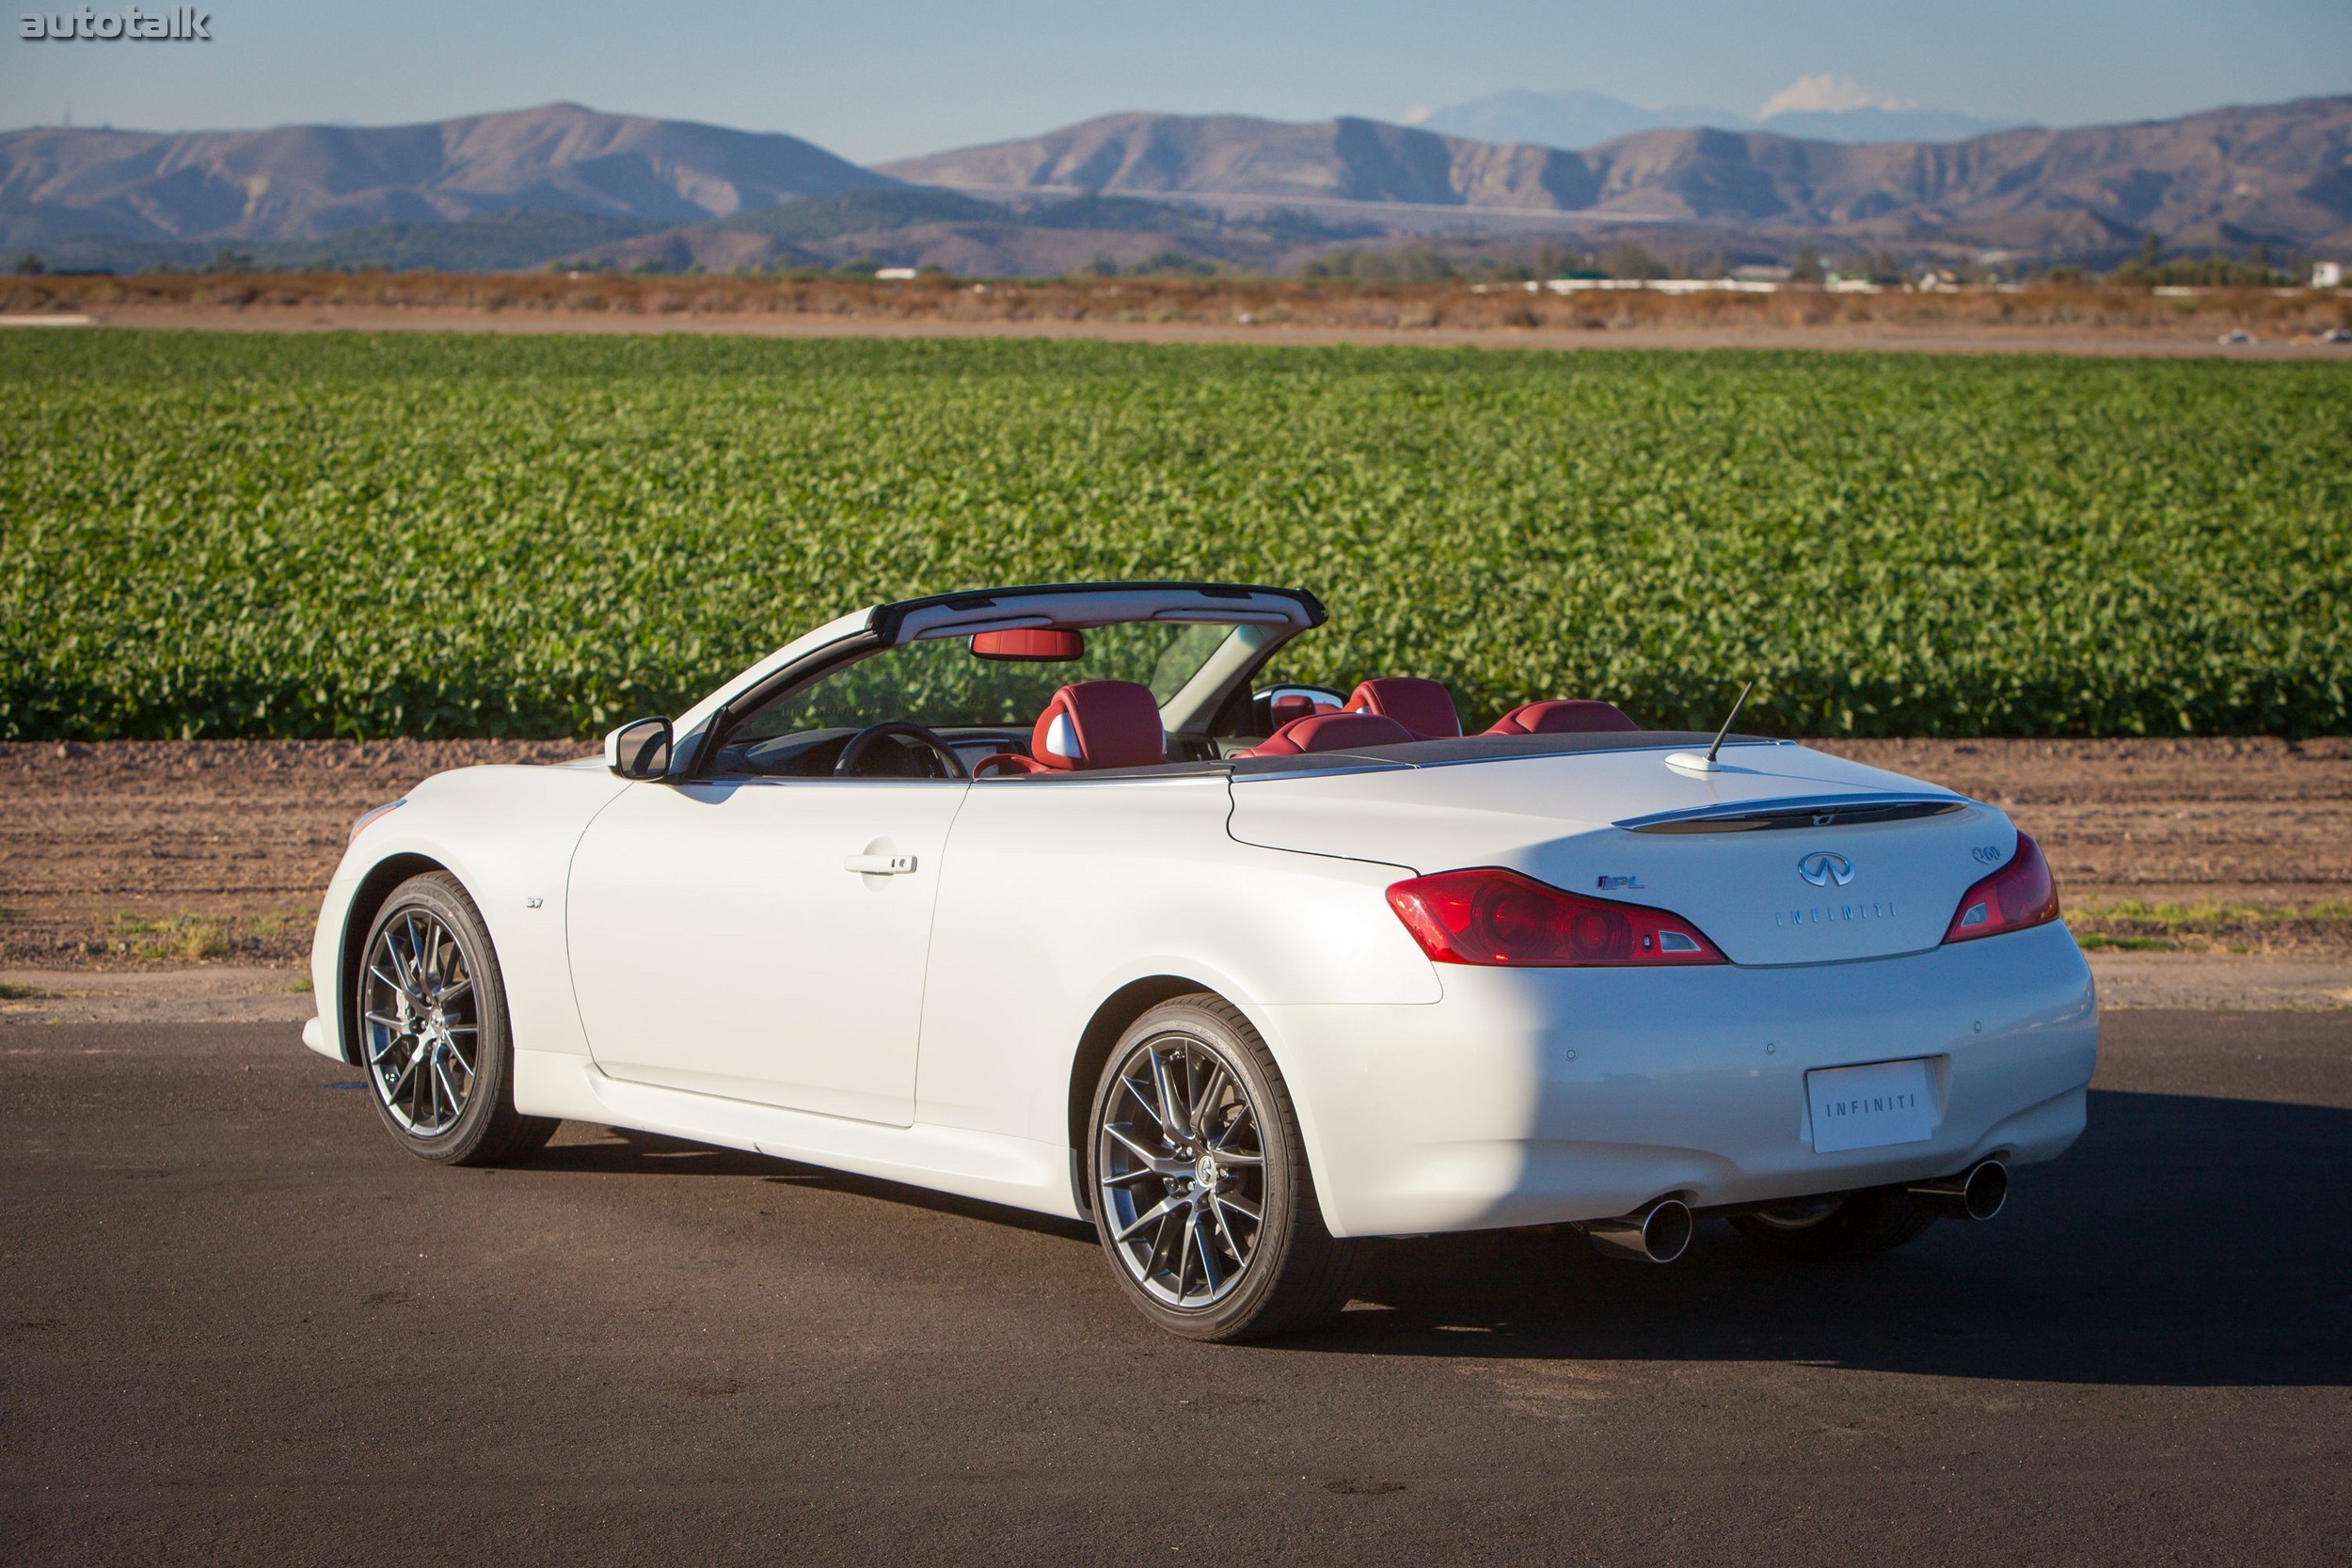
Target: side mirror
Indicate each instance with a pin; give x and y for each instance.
(639, 748)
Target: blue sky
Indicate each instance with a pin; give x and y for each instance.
(886, 78)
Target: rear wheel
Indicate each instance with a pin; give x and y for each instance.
(433, 1038)
(1201, 1194)
(1849, 1226)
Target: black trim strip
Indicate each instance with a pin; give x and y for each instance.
(1813, 817)
(887, 618)
(1497, 748)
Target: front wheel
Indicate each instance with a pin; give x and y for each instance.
(433, 1038)
(1203, 1197)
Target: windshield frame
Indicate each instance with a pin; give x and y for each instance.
(1282, 614)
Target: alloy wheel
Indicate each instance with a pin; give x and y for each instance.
(421, 1023)
(1180, 1167)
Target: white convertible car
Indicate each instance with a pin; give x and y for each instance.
(1028, 894)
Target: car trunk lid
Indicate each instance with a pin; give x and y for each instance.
(1785, 856)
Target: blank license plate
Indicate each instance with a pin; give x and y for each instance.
(1871, 1108)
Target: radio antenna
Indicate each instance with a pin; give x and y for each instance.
(1727, 718)
(1691, 762)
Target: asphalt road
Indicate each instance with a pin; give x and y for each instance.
(239, 1326)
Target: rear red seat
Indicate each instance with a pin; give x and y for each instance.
(1330, 732)
(1422, 707)
(1573, 716)
(1092, 724)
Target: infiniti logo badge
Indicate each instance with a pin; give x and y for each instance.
(1821, 868)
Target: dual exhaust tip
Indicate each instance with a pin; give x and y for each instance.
(1977, 1192)
(1660, 1232)
(1657, 1233)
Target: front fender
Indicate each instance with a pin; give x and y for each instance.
(507, 834)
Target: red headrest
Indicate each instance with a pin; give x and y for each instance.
(1100, 725)
(1330, 732)
(1577, 716)
(1422, 707)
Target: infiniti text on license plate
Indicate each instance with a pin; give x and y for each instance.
(1869, 1107)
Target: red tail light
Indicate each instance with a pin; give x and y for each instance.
(1488, 915)
(2021, 894)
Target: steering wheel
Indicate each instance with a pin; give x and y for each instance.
(865, 741)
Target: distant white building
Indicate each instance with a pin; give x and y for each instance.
(1654, 285)
(2326, 274)
(893, 275)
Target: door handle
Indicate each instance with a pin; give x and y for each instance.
(879, 866)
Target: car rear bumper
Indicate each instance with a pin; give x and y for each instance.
(1530, 1096)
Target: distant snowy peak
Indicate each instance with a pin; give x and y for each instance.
(1826, 94)
(1817, 108)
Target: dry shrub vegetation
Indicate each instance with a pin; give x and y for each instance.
(1262, 302)
(2323, 927)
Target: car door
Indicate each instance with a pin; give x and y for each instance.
(762, 939)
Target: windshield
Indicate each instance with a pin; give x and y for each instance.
(942, 683)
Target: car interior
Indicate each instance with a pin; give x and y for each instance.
(1047, 700)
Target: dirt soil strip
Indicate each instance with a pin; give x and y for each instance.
(1956, 338)
(142, 855)
(2230, 820)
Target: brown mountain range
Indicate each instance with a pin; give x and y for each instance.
(2277, 174)
(301, 182)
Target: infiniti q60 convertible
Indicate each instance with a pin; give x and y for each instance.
(1048, 897)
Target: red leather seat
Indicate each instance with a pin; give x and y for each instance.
(1422, 707)
(1330, 732)
(1092, 724)
(1573, 716)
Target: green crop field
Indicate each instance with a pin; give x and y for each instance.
(344, 534)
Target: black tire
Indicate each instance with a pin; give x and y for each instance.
(1293, 1274)
(1845, 1229)
(486, 1130)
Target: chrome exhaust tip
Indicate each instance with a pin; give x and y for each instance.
(1977, 1192)
(1659, 1233)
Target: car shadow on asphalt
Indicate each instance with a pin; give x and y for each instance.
(621, 1150)
(2184, 1241)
